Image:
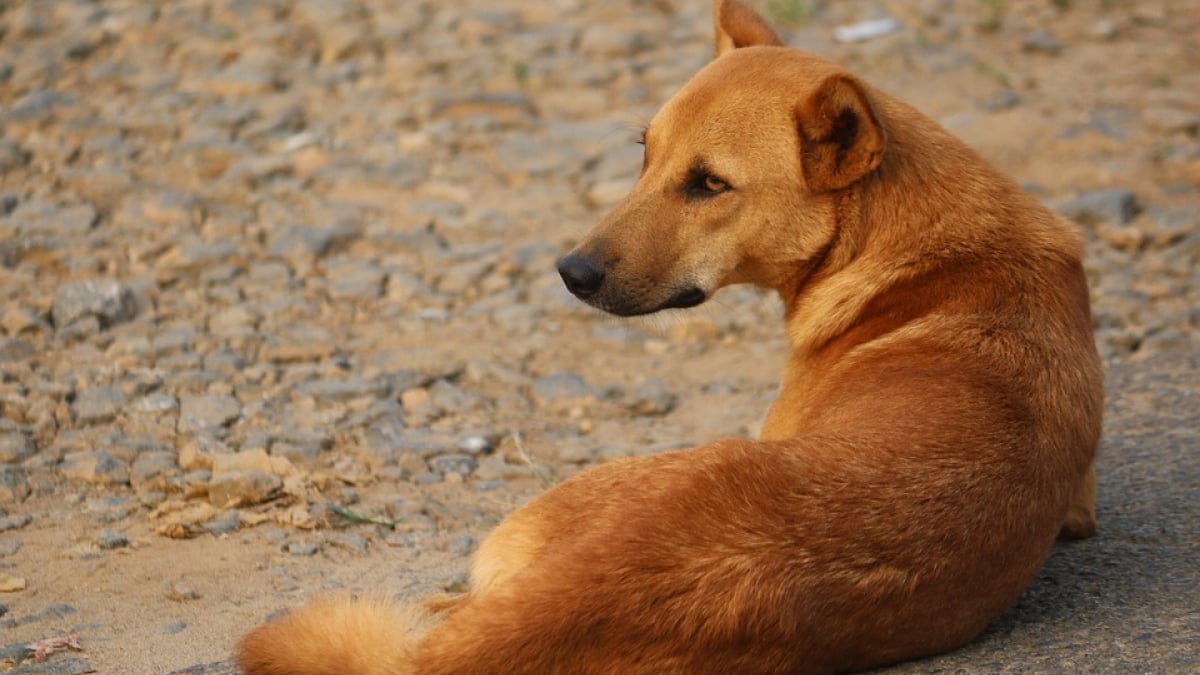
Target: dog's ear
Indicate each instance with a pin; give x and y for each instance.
(738, 26)
(840, 136)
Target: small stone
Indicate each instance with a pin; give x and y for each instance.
(13, 486)
(1042, 42)
(449, 398)
(301, 548)
(95, 467)
(343, 389)
(98, 404)
(242, 488)
(9, 547)
(224, 524)
(1005, 99)
(109, 540)
(300, 343)
(17, 320)
(1115, 206)
(151, 468)
(180, 593)
(349, 541)
(207, 411)
(461, 544)
(15, 447)
(11, 584)
(110, 302)
(13, 350)
(1104, 29)
(15, 522)
(561, 388)
(174, 628)
(247, 460)
(460, 464)
(652, 398)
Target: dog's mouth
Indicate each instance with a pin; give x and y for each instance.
(689, 297)
(589, 282)
(623, 307)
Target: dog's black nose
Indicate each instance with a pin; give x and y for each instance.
(582, 276)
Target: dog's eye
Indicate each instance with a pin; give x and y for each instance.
(701, 184)
(714, 184)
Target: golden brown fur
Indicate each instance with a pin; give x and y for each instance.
(934, 429)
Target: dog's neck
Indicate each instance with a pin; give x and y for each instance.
(829, 295)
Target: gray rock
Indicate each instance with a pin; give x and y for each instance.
(15, 447)
(151, 469)
(562, 388)
(242, 488)
(37, 105)
(461, 464)
(207, 411)
(302, 548)
(652, 398)
(349, 541)
(449, 398)
(313, 241)
(108, 540)
(13, 486)
(8, 547)
(1114, 206)
(95, 467)
(1042, 42)
(343, 389)
(15, 522)
(226, 523)
(110, 302)
(181, 593)
(95, 405)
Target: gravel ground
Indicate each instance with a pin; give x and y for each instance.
(278, 308)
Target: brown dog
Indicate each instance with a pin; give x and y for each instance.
(934, 430)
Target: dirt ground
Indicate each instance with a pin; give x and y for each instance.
(317, 240)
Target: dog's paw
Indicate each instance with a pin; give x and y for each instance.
(1079, 524)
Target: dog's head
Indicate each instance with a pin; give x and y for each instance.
(738, 181)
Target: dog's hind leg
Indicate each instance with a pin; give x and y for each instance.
(1081, 516)
(511, 547)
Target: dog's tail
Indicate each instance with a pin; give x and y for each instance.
(333, 637)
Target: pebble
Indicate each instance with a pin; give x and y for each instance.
(14, 487)
(226, 523)
(562, 388)
(1115, 206)
(460, 464)
(242, 488)
(348, 540)
(11, 584)
(302, 548)
(15, 349)
(181, 593)
(15, 447)
(98, 404)
(15, 522)
(110, 302)
(206, 412)
(95, 467)
(1042, 42)
(108, 540)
